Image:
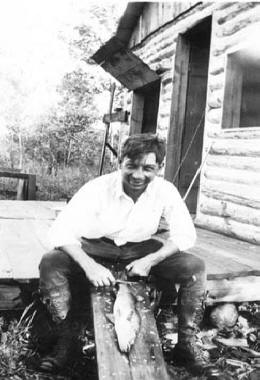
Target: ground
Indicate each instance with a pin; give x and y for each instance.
(230, 359)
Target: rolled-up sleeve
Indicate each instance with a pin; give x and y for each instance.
(181, 227)
(68, 227)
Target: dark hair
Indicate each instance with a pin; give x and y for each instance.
(142, 143)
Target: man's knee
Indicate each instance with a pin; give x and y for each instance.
(52, 260)
(199, 264)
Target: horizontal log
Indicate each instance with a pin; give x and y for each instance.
(212, 129)
(164, 65)
(236, 147)
(217, 65)
(216, 81)
(235, 176)
(234, 10)
(234, 162)
(239, 23)
(235, 39)
(229, 227)
(242, 194)
(240, 133)
(224, 5)
(215, 99)
(239, 213)
(239, 289)
(214, 115)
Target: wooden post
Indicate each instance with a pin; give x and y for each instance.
(178, 107)
(107, 130)
(137, 113)
(31, 192)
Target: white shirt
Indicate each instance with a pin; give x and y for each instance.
(102, 209)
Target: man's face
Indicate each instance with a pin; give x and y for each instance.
(138, 173)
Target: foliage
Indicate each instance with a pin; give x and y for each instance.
(68, 136)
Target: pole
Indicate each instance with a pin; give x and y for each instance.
(197, 173)
(113, 87)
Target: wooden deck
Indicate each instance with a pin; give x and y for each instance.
(23, 240)
(23, 236)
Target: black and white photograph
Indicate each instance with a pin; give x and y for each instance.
(129, 190)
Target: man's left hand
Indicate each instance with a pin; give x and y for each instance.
(140, 267)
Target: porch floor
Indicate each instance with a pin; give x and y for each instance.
(24, 226)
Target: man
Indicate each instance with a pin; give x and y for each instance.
(114, 219)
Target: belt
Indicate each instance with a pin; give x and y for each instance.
(109, 241)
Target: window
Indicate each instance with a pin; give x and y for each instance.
(242, 91)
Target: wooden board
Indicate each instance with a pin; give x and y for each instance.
(29, 210)
(23, 236)
(178, 102)
(145, 360)
(224, 255)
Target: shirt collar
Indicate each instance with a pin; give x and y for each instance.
(119, 191)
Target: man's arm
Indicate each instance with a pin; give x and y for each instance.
(141, 267)
(182, 234)
(96, 273)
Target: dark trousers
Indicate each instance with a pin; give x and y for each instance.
(62, 280)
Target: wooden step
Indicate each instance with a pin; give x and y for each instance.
(145, 360)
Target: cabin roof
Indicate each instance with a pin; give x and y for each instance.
(123, 33)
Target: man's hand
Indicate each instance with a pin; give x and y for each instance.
(140, 267)
(99, 275)
(96, 273)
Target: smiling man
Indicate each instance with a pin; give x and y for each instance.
(114, 220)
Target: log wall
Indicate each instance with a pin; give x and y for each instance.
(229, 197)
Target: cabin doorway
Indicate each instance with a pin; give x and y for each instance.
(188, 109)
(145, 106)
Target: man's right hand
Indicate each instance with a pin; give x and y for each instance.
(96, 273)
(99, 275)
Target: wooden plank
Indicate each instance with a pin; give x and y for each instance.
(24, 242)
(12, 174)
(10, 297)
(129, 69)
(5, 265)
(29, 210)
(232, 95)
(224, 255)
(136, 118)
(178, 106)
(31, 190)
(238, 289)
(145, 360)
(120, 116)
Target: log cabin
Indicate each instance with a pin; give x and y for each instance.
(191, 72)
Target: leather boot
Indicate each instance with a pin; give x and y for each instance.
(56, 297)
(188, 351)
(66, 347)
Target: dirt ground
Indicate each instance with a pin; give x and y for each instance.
(234, 351)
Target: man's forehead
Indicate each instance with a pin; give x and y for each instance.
(145, 159)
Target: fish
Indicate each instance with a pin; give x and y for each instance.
(127, 320)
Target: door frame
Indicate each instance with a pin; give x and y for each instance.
(138, 106)
(178, 109)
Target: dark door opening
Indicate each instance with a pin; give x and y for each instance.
(192, 137)
(145, 108)
(185, 137)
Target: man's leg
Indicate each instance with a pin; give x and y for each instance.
(57, 279)
(188, 271)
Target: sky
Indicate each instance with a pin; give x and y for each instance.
(33, 58)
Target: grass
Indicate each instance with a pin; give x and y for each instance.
(59, 185)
